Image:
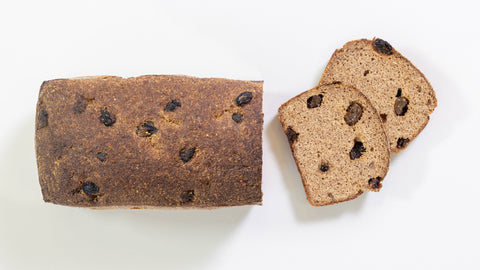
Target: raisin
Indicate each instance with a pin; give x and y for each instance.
(237, 117)
(330, 195)
(102, 156)
(42, 120)
(399, 92)
(366, 72)
(244, 98)
(354, 113)
(384, 117)
(291, 135)
(314, 101)
(382, 46)
(324, 167)
(146, 129)
(336, 82)
(186, 154)
(375, 183)
(357, 150)
(80, 106)
(172, 106)
(401, 143)
(188, 196)
(106, 118)
(90, 188)
(401, 106)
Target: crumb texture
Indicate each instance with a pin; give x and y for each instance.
(338, 146)
(397, 89)
(149, 142)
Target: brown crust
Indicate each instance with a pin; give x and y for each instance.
(333, 201)
(148, 207)
(396, 54)
(284, 126)
(146, 170)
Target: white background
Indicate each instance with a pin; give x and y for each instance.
(425, 217)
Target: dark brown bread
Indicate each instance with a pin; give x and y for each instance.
(397, 89)
(338, 142)
(150, 141)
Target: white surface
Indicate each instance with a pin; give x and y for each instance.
(425, 217)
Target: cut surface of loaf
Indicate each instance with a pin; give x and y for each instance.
(337, 141)
(397, 89)
(150, 141)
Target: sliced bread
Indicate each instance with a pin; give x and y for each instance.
(338, 143)
(397, 89)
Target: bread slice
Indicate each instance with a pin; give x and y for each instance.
(338, 142)
(150, 142)
(397, 89)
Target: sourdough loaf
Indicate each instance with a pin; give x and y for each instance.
(150, 141)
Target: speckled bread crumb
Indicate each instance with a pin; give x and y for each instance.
(397, 89)
(338, 143)
(150, 142)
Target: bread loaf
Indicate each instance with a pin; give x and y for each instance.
(150, 141)
(337, 141)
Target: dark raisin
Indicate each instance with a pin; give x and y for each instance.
(187, 153)
(90, 188)
(188, 196)
(102, 156)
(172, 106)
(401, 143)
(324, 167)
(106, 118)
(366, 72)
(291, 135)
(146, 129)
(399, 92)
(244, 98)
(80, 106)
(314, 101)
(382, 46)
(401, 106)
(42, 120)
(237, 117)
(357, 150)
(330, 195)
(375, 183)
(384, 117)
(354, 113)
(336, 82)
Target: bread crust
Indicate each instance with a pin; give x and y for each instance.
(140, 151)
